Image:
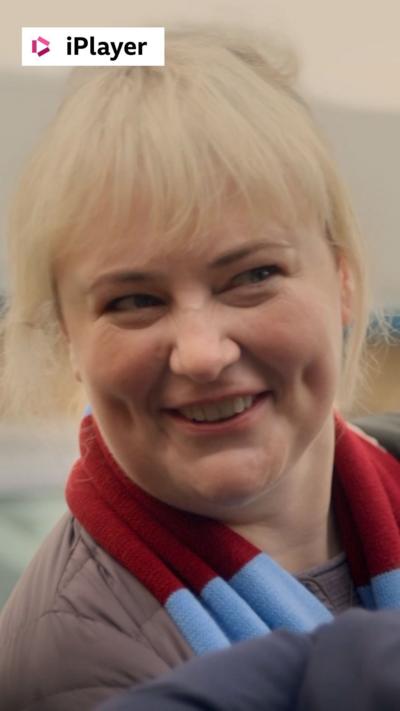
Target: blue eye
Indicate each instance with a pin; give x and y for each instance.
(255, 276)
(133, 302)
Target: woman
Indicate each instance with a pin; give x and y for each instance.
(183, 246)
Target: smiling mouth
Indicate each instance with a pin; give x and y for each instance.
(220, 411)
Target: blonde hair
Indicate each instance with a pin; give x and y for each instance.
(222, 114)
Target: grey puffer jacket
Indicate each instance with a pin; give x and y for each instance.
(79, 628)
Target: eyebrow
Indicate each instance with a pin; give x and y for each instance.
(122, 276)
(241, 252)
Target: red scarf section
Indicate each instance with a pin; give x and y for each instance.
(167, 549)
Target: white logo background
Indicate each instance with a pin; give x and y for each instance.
(118, 41)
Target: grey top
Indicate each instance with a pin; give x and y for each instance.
(332, 584)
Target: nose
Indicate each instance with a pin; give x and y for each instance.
(202, 349)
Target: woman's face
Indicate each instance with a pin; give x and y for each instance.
(211, 368)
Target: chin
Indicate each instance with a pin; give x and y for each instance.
(223, 481)
(230, 492)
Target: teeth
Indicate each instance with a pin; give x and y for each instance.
(217, 411)
(225, 408)
(238, 404)
(211, 413)
(198, 414)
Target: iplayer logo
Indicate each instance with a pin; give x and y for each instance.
(42, 41)
(92, 46)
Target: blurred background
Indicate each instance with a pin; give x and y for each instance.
(350, 56)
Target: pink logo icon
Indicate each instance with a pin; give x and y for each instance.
(41, 51)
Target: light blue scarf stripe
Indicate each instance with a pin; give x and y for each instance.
(367, 597)
(248, 609)
(386, 589)
(196, 624)
(383, 592)
(277, 597)
(233, 613)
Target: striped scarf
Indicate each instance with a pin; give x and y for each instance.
(217, 587)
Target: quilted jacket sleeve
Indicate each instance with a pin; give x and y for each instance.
(69, 662)
(79, 629)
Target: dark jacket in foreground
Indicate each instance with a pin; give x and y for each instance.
(351, 664)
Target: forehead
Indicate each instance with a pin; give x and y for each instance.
(137, 245)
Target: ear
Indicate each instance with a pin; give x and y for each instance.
(347, 289)
(71, 352)
(74, 362)
(61, 320)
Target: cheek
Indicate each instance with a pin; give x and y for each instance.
(121, 363)
(303, 333)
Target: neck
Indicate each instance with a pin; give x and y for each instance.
(297, 526)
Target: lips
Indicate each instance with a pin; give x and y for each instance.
(217, 411)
